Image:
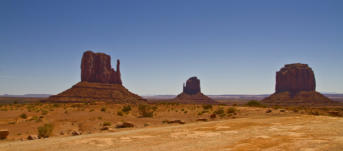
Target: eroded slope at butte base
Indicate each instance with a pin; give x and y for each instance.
(90, 92)
(197, 98)
(302, 98)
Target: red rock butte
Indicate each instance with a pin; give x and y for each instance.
(192, 94)
(99, 82)
(192, 86)
(296, 85)
(295, 78)
(96, 67)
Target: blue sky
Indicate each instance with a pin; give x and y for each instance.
(233, 47)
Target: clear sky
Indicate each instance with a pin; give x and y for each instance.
(233, 47)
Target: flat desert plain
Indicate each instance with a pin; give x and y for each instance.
(170, 127)
(272, 133)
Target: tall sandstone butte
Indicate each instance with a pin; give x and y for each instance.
(296, 85)
(295, 78)
(99, 82)
(192, 93)
(192, 86)
(96, 67)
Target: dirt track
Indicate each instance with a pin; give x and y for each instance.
(295, 132)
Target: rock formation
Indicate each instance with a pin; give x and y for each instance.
(96, 67)
(4, 134)
(192, 86)
(295, 78)
(296, 85)
(99, 82)
(191, 93)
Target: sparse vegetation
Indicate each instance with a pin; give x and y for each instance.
(76, 105)
(103, 109)
(145, 110)
(314, 113)
(119, 113)
(23, 116)
(202, 112)
(11, 122)
(107, 124)
(45, 131)
(44, 112)
(220, 112)
(207, 106)
(231, 110)
(269, 111)
(254, 103)
(126, 109)
(125, 125)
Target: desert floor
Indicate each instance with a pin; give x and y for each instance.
(238, 127)
(290, 132)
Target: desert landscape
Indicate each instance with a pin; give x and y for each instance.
(101, 126)
(171, 75)
(99, 113)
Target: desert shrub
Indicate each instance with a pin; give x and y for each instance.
(23, 115)
(145, 110)
(120, 113)
(295, 110)
(44, 112)
(334, 113)
(269, 111)
(4, 109)
(125, 125)
(315, 113)
(220, 112)
(45, 130)
(276, 107)
(30, 108)
(103, 109)
(154, 108)
(207, 106)
(56, 105)
(107, 124)
(126, 109)
(254, 103)
(231, 110)
(11, 122)
(76, 105)
(202, 112)
(36, 119)
(91, 110)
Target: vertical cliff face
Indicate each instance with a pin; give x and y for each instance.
(296, 85)
(99, 82)
(96, 67)
(192, 86)
(192, 94)
(295, 78)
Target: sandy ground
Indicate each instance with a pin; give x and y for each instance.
(271, 133)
